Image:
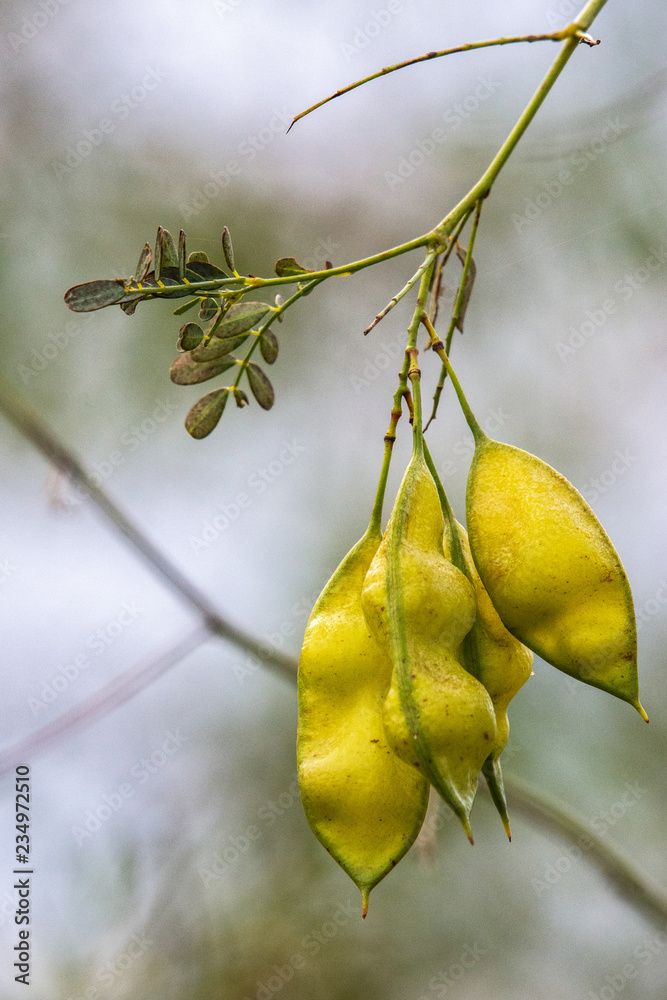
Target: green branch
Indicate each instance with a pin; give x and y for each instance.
(238, 286)
(103, 293)
(414, 373)
(484, 184)
(458, 311)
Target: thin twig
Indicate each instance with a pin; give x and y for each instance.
(458, 310)
(555, 36)
(397, 298)
(37, 431)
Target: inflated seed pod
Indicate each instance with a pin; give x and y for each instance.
(364, 804)
(437, 716)
(501, 663)
(549, 567)
(489, 652)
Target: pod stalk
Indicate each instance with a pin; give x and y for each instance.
(471, 419)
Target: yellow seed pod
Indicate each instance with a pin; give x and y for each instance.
(550, 569)
(363, 803)
(420, 607)
(498, 660)
(489, 652)
(548, 565)
(501, 663)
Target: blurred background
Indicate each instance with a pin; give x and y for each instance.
(202, 879)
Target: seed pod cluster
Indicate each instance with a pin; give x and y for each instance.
(437, 716)
(424, 635)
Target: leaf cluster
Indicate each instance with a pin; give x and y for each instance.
(231, 321)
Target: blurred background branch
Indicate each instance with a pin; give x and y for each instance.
(38, 432)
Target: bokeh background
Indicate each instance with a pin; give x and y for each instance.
(205, 881)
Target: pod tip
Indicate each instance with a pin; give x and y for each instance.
(640, 708)
(365, 893)
(494, 779)
(465, 823)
